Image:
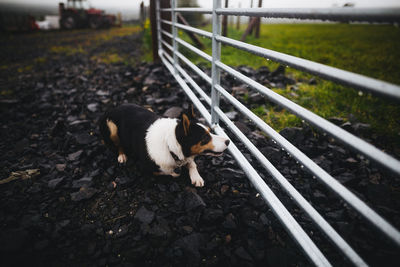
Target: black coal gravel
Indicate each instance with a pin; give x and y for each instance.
(69, 203)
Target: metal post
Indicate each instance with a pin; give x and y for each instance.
(154, 25)
(158, 16)
(175, 35)
(216, 56)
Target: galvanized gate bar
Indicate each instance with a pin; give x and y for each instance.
(352, 141)
(190, 10)
(196, 50)
(291, 225)
(174, 34)
(330, 73)
(337, 75)
(332, 14)
(216, 56)
(189, 28)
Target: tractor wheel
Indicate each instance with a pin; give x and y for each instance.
(95, 22)
(68, 22)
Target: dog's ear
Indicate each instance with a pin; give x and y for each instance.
(192, 114)
(185, 123)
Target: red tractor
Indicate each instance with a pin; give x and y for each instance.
(78, 14)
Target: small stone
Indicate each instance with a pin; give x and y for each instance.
(188, 229)
(193, 201)
(75, 156)
(173, 112)
(85, 181)
(228, 239)
(232, 115)
(83, 193)
(55, 182)
(224, 189)
(144, 215)
(93, 107)
(61, 167)
(131, 91)
(243, 254)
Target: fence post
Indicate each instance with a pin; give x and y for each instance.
(216, 56)
(158, 17)
(175, 35)
(154, 35)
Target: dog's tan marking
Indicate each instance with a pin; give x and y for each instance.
(198, 148)
(115, 139)
(186, 124)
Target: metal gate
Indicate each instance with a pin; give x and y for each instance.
(215, 115)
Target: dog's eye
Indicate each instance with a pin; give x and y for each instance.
(206, 138)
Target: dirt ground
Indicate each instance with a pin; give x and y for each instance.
(64, 200)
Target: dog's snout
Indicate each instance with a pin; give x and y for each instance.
(227, 142)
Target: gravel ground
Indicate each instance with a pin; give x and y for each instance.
(64, 201)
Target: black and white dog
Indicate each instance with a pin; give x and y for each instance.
(159, 145)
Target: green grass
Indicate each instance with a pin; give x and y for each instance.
(371, 50)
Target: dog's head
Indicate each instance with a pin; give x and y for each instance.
(196, 138)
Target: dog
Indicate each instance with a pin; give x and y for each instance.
(160, 145)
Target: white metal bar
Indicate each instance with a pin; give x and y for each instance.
(216, 56)
(174, 34)
(190, 10)
(189, 28)
(332, 14)
(167, 34)
(194, 49)
(330, 73)
(158, 17)
(352, 141)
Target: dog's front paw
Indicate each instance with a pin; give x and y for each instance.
(122, 158)
(197, 181)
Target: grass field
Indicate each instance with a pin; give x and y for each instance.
(372, 50)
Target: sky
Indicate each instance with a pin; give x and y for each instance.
(130, 8)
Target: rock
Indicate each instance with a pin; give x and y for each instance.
(145, 216)
(84, 139)
(173, 112)
(243, 254)
(312, 81)
(336, 120)
(229, 222)
(83, 193)
(224, 189)
(61, 167)
(93, 107)
(191, 245)
(256, 98)
(239, 90)
(346, 177)
(75, 156)
(193, 201)
(55, 182)
(232, 115)
(335, 215)
(242, 127)
(131, 91)
(280, 70)
(167, 100)
(293, 134)
(83, 182)
(212, 215)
